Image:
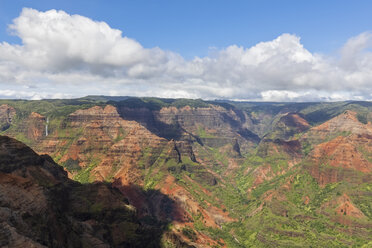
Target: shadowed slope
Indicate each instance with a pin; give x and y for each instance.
(41, 207)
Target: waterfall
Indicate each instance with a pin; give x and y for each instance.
(46, 126)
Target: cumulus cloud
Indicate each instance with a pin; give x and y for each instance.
(64, 55)
(56, 41)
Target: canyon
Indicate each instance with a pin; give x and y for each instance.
(151, 172)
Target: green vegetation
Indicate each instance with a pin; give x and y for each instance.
(189, 233)
(52, 108)
(306, 147)
(367, 155)
(156, 171)
(273, 202)
(363, 117)
(121, 135)
(198, 103)
(152, 103)
(85, 175)
(203, 134)
(71, 165)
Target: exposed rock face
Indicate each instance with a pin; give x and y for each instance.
(288, 125)
(326, 175)
(105, 146)
(262, 174)
(295, 120)
(344, 206)
(343, 124)
(15, 155)
(343, 152)
(280, 143)
(41, 207)
(290, 148)
(121, 150)
(200, 167)
(348, 151)
(31, 128)
(288, 151)
(36, 126)
(99, 134)
(7, 114)
(215, 126)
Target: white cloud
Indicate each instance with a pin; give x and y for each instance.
(64, 55)
(56, 41)
(32, 95)
(352, 52)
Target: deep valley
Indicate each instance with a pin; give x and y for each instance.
(150, 172)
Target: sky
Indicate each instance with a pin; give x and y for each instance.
(263, 50)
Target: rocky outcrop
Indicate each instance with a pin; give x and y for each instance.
(35, 126)
(344, 210)
(325, 175)
(287, 126)
(279, 143)
(296, 121)
(99, 136)
(344, 206)
(291, 148)
(345, 151)
(199, 165)
(7, 113)
(214, 126)
(343, 124)
(100, 145)
(31, 128)
(41, 207)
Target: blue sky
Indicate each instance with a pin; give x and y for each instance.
(191, 27)
(247, 50)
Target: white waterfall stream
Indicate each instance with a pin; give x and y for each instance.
(46, 126)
